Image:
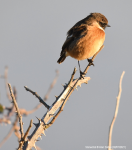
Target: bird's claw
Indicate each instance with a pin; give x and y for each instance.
(82, 74)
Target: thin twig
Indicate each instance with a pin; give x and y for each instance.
(15, 92)
(7, 136)
(10, 132)
(27, 132)
(86, 69)
(74, 71)
(25, 136)
(116, 111)
(17, 109)
(47, 94)
(51, 86)
(5, 120)
(40, 99)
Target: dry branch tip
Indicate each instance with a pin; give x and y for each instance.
(116, 111)
(40, 99)
(17, 109)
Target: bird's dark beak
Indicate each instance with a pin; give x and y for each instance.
(108, 26)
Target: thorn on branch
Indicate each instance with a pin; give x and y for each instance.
(40, 137)
(43, 133)
(39, 119)
(36, 124)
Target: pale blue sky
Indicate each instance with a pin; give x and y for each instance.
(31, 35)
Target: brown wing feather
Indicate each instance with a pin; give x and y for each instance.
(87, 20)
(83, 21)
(66, 44)
(77, 31)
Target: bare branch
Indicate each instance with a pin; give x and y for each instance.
(25, 136)
(116, 111)
(10, 132)
(40, 99)
(51, 86)
(7, 137)
(25, 112)
(5, 120)
(15, 92)
(86, 69)
(11, 109)
(72, 76)
(55, 109)
(27, 132)
(17, 109)
(59, 103)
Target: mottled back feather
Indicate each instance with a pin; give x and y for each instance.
(73, 33)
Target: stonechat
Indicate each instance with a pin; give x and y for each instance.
(85, 38)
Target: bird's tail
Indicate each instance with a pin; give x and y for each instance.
(62, 58)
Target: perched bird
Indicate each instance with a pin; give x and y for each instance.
(85, 38)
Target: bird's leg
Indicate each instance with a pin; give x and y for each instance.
(90, 62)
(82, 74)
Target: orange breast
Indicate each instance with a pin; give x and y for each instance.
(88, 45)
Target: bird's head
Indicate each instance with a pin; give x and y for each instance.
(99, 18)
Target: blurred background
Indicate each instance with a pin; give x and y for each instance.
(31, 36)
